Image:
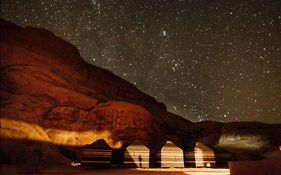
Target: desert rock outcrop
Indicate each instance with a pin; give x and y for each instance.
(51, 98)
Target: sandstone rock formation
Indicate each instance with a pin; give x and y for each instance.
(51, 95)
(52, 99)
(242, 140)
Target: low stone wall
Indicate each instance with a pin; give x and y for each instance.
(262, 167)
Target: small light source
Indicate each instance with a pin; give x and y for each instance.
(280, 148)
(75, 164)
(208, 165)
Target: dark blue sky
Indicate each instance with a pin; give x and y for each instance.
(206, 60)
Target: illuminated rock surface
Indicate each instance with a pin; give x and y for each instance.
(51, 98)
(49, 94)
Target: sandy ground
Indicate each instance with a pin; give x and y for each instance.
(8, 170)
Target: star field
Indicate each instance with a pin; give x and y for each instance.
(206, 60)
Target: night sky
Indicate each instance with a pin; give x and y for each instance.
(206, 60)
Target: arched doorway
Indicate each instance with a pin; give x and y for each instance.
(136, 155)
(171, 156)
(204, 156)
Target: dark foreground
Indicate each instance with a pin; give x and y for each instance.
(9, 170)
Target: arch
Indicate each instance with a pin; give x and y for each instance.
(136, 155)
(204, 156)
(171, 156)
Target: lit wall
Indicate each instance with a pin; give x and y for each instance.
(137, 155)
(204, 156)
(171, 155)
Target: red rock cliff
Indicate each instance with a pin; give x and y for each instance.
(49, 94)
(51, 97)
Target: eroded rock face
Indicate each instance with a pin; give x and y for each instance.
(51, 98)
(50, 94)
(243, 140)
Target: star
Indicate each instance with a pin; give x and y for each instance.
(206, 60)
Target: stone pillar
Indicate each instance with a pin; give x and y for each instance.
(154, 158)
(189, 158)
(117, 157)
